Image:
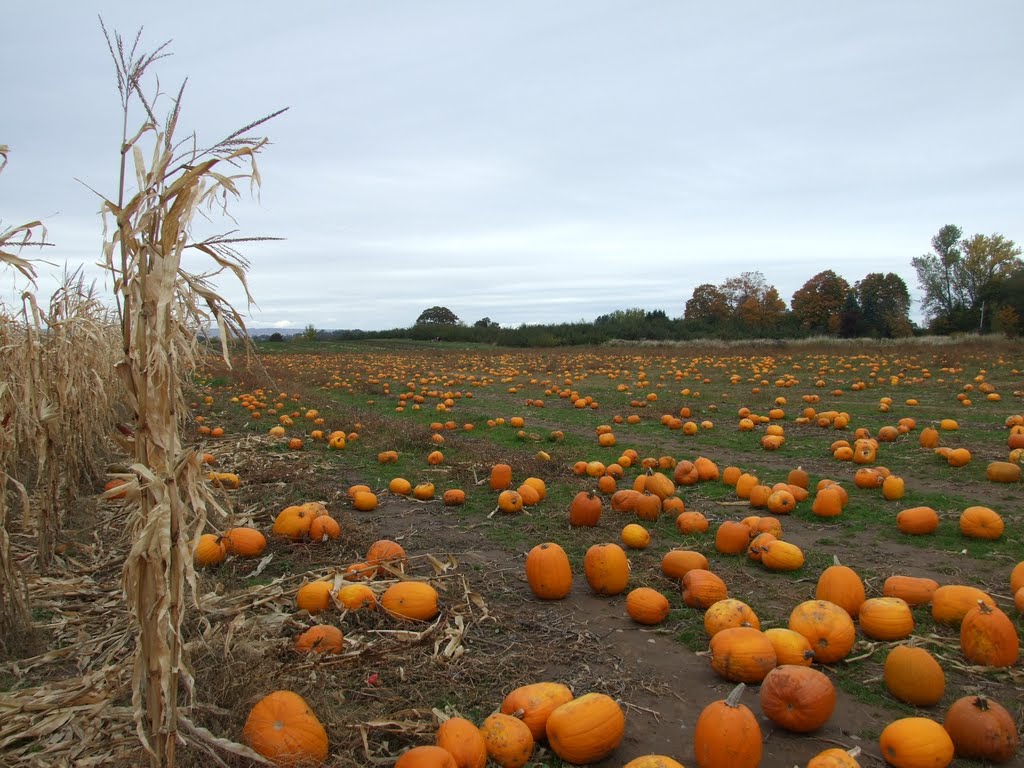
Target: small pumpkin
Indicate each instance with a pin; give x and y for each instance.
(797, 698)
(356, 597)
(981, 729)
(1003, 472)
(585, 509)
(323, 528)
(323, 638)
(463, 741)
(501, 477)
(454, 497)
(732, 537)
(510, 502)
(653, 761)
(915, 742)
(314, 597)
(509, 742)
(917, 521)
(364, 501)
(423, 491)
(293, 522)
(586, 729)
(727, 734)
(835, 758)
(647, 606)
(282, 728)
(210, 550)
(781, 555)
(548, 571)
(426, 756)
(636, 536)
(245, 542)
(385, 551)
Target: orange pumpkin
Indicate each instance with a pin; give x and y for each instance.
(501, 477)
(827, 627)
(412, 600)
(886, 618)
(426, 757)
(841, 585)
(797, 698)
(385, 551)
(916, 741)
(790, 647)
(585, 509)
(729, 613)
(702, 588)
(742, 654)
(981, 729)
(988, 637)
(981, 523)
(606, 569)
(548, 571)
(732, 538)
(917, 521)
(914, 590)
(647, 606)
(676, 562)
(586, 729)
(509, 742)
(727, 734)
(322, 638)
(282, 728)
(534, 703)
(951, 602)
(914, 676)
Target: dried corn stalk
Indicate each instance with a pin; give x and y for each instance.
(163, 307)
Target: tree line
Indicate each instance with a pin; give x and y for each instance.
(972, 284)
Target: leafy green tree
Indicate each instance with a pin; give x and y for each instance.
(851, 319)
(309, 333)
(961, 281)
(937, 274)
(485, 322)
(276, 337)
(818, 304)
(885, 305)
(438, 316)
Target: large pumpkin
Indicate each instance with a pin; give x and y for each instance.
(981, 729)
(951, 602)
(729, 613)
(586, 729)
(283, 729)
(914, 590)
(702, 589)
(548, 571)
(797, 698)
(677, 562)
(727, 735)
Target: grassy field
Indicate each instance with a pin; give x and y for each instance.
(461, 400)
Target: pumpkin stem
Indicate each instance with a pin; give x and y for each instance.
(981, 702)
(984, 607)
(733, 699)
(853, 752)
(835, 560)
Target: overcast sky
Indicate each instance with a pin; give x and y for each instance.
(541, 161)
